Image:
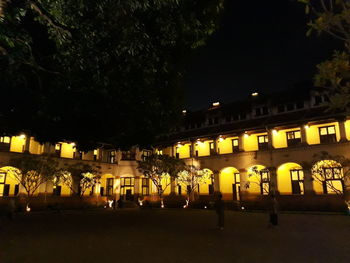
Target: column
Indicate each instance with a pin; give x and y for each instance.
(27, 144)
(241, 142)
(273, 180)
(116, 187)
(47, 148)
(216, 181)
(215, 141)
(243, 176)
(303, 134)
(342, 130)
(136, 186)
(193, 152)
(308, 182)
(270, 138)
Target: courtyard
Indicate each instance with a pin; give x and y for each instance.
(165, 235)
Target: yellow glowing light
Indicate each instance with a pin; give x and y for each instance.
(221, 138)
(28, 208)
(22, 136)
(274, 131)
(215, 104)
(184, 111)
(246, 135)
(95, 152)
(306, 126)
(254, 94)
(73, 144)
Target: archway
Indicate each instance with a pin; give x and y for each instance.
(230, 183)
(63, 185)
(207, 187)
(9, 181)
(290, 179)
(258, 181)
(328, 177)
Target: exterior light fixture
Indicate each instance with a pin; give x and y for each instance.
(254, 94)
(221, 138)
(216, 104)
(246, 135)
(22, 136)
(306, 126)
(184, 111)
(274, 131)
(28, 208)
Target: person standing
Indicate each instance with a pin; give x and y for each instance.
(220, 208)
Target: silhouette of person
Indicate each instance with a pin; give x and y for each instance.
(220, 208)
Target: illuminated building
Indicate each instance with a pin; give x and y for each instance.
(277, 136)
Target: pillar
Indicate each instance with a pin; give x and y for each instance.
(192, 152)
(136, 186)
(27, 143)
(216, 181)
(241, 142)
(308, 182)
(243, 176)
(273, 180)
(270, 138)
(303, 134)
(47, 148)
(172, 186)
(116, 187)
(342, 130)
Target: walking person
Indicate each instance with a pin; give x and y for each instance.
(220, 208)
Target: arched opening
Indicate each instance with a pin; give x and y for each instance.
(207, 186)
(230, 183)
(290, 179)
(258, 180)
(328, 177)
(9, 181)
(63, 185)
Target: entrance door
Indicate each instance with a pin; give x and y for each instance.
(236, 188)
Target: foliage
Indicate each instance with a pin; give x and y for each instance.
(33, 171)
(328, 171)
(260, 177)
(333, 18)
(91, 64)
(161, 169)
(78, 177)
(193, 177)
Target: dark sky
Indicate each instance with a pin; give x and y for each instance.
(261, 45)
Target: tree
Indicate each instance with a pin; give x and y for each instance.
(333, 18)
(33, 171)
(332, 172)
(260, 177)
(192, 178)
(110, 61)
(79, 177)
(161, 170)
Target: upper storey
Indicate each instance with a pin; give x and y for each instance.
(259, 112)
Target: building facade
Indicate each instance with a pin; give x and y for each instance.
(264, 144)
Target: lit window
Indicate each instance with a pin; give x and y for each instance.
(327, 134)
(263, 139)
(5, 139)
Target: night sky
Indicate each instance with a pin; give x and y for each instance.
(260, 46)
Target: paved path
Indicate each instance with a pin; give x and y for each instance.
(173, 236)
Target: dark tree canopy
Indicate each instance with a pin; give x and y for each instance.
(98, 71)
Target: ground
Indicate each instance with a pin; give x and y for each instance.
(162, 235)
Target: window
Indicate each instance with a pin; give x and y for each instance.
(263, 142)
(95, 155)
(177, 154)
(300, 105)
(16, 190)
(236, 187)
(127, 187)
(327, 134)
(212, 148)
(297, 178)
(257, 112)
(111, 157)
(333, 180)
(216, 120)
(109, 186)
(128, 155)
(265, 182)
(265, 110)
(6, 190)
(145, 186)
(228, 118)
(242, 116)
(210, 121)
(293, 138)
(318, 100)
(179, 190)
(235, 145)
(102, 191)
(280, 108)
(58, 148)
(5, 139)
(290, 106)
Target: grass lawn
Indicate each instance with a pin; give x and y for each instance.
(155, 235)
